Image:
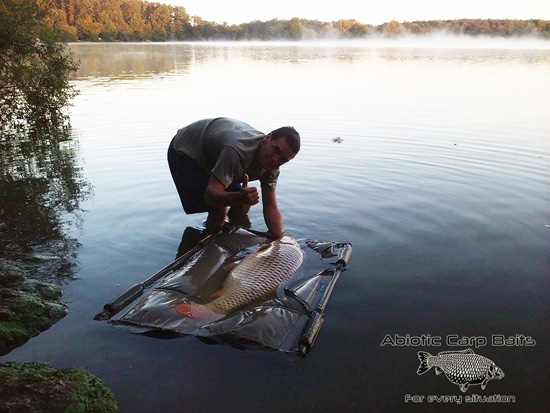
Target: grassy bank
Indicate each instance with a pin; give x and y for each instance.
(35, 387)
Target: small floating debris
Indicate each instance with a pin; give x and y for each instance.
(337, 139)
(547, 226)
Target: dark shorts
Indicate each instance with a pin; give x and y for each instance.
(191, 181)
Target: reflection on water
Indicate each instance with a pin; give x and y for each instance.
(129, 60)
(41, 187)
(189, 239)
(440, 182)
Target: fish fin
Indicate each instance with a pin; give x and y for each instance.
(196, 311)
(263, 247)
(215, 294)
(484, 384)
(438, 370)
(230, 266)
(464, 387)
(184, 309)
(467, 351)
(423, 357)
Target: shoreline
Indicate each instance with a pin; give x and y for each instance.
(29, 307)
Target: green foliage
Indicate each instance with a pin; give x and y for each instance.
(34, 67)
(35, 387)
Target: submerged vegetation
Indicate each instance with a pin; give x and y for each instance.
(27, 307)
(136, 20)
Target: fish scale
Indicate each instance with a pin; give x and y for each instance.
(461, 368)
(258, 276)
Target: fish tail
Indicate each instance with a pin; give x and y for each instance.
(424, 367)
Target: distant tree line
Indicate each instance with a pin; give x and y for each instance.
(136, 20)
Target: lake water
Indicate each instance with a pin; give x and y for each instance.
(441, 182)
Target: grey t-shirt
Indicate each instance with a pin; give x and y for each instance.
(227, 148)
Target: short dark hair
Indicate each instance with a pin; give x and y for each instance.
(292, 137)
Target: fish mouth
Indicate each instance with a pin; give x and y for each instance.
(499, 374)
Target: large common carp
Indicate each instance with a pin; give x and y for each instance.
(256, 278)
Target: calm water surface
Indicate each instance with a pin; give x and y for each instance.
(441, 183)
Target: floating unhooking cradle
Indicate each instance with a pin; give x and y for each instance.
(286, 316)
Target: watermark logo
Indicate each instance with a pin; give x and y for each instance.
(463, 368)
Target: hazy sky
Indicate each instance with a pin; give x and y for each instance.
(243, 11)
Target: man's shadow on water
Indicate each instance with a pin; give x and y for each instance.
(190, 238)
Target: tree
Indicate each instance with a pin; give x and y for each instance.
(181, 25)
(295, 29)
(351, 28)
(57, 20)
(132, 15)
(391, 29)
(159, 17)
(34, 67)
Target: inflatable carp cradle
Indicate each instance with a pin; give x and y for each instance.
(203, 294)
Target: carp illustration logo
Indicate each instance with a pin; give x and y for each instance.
(463, 368)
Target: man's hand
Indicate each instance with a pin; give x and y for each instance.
(249, 194)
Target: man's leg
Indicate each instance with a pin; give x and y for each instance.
(238, 214)
(215, 220)
(190, 180)
(238, 211)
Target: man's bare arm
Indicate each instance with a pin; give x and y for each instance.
(272, 215)
(216, 195)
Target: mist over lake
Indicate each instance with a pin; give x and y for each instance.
(439, 177)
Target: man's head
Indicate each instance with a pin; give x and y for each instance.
(278, 147)
(290, 135)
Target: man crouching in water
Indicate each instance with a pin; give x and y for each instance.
(212, 161)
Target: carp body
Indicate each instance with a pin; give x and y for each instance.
(254, 279)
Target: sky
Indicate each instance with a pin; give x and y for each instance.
(368, 12)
